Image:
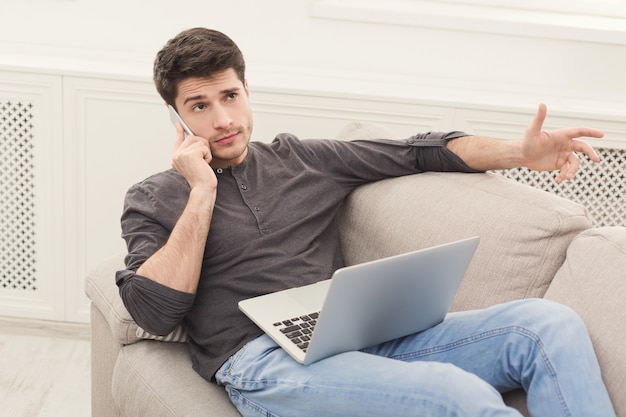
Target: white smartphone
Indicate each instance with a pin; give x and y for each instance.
(175, 118)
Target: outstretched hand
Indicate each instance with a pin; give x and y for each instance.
(556, 149)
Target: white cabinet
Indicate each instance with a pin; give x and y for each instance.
(31, 196)
(71, 145)
(116, 133)
(69, 149)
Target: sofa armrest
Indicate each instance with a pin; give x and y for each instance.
(592, 281)
(104, 352)
(101, 289)
(154, 378)
(111, 328)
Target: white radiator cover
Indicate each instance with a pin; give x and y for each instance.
(32, 238)
(18, 263)
(599, 187)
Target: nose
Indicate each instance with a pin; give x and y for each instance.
(221, 118)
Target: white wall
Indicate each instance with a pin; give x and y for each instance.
(282, 32)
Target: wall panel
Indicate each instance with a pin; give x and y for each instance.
(118, 133)
(31, 196)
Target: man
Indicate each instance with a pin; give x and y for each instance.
(234, 219)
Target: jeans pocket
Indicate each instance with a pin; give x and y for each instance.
(223, 374)
(226, 373)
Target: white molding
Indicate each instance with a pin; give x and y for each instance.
(74, 61)
(476, 18)
(608, 8)
(323, 116)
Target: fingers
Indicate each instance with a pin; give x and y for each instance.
(189, 144)
(561, 144)
(568, 169)
(580, 132)
(536, 125)
(180, 136)
(584, 147)
(591, 133)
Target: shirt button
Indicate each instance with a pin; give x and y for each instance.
(257, 209)
(219, 170)
(244, 187)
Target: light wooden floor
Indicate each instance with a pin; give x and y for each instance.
(44, 369)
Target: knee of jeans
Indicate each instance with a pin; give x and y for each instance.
(545, 316)
(460, 389)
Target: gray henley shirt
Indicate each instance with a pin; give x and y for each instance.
(273, 228)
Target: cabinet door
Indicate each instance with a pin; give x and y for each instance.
(31, 198)
(117, 133)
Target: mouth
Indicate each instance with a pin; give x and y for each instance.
(225, 140)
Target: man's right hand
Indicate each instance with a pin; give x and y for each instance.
(191, 158)
(178, 262)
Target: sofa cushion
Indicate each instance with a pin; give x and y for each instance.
(179, 334)
(156, 379)
(524, 231)
(592, 281)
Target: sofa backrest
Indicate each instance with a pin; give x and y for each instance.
(524, 232)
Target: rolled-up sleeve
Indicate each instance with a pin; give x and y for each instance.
(147, 221)
(435, 156)
(155, 307)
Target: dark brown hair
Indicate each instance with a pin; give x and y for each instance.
(196, 52)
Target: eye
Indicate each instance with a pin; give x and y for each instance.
(231, 96)
(198, 107)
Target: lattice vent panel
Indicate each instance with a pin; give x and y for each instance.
(17, 197)
(600, 187)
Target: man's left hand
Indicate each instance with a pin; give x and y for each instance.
(556, 149)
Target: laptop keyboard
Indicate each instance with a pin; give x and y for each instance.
(299, 329)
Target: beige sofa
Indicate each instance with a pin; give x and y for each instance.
(533, 244)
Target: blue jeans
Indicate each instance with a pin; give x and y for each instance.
(457, 368)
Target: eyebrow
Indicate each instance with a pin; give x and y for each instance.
(203, 96)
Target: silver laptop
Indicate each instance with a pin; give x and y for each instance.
(365, 304)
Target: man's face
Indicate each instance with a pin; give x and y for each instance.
(218, 109)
